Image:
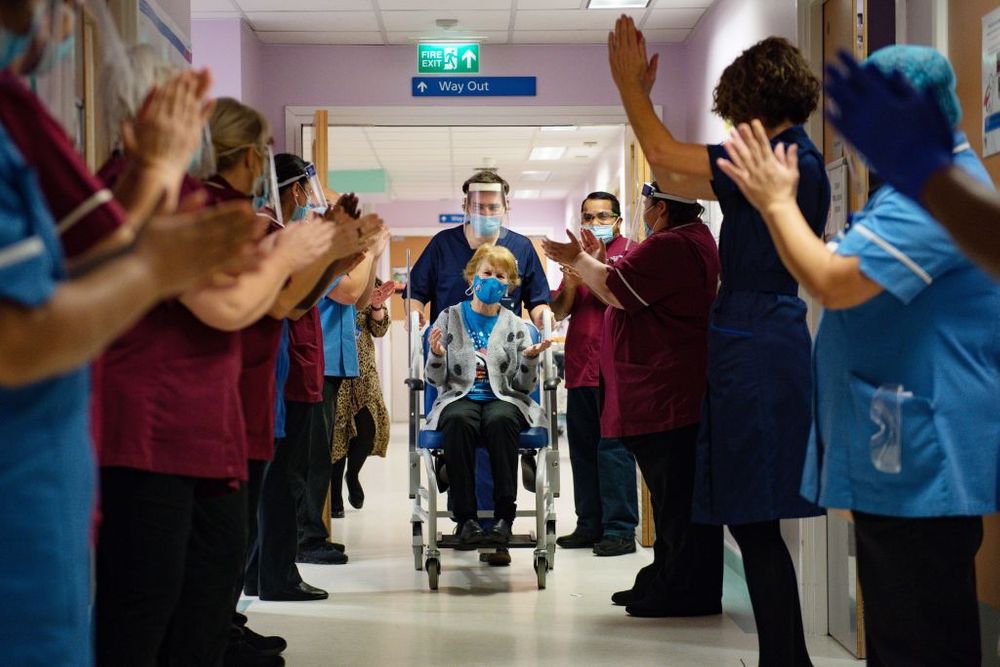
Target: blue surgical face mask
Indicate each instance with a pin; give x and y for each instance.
(484, 226)
(53, 57)
(300, 212)
(603, 232)
(649, 230)
(489, 290)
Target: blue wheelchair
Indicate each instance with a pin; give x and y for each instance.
(538, 449)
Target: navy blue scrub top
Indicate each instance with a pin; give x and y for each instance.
(750, 260)
(437, 276)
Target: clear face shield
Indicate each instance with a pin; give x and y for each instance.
(486, 209)
(314, 189)
(203, 161)
(313, 201)
(265, 191)
(640, 228)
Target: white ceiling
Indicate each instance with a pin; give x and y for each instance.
(431, 163)
(383, 22)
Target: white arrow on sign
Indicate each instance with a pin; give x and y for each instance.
(422, 87)
(469, 57)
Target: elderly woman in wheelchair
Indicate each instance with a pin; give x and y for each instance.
(484, 367)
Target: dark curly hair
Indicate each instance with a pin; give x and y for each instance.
(771, 81)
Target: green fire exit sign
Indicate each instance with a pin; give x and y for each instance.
(447, 58)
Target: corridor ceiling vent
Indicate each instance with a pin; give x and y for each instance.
(617, 4)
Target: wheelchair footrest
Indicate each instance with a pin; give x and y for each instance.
(517, 541)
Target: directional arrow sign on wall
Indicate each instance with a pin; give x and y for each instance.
(448, 58)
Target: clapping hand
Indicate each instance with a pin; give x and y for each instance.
(435, 343)
(382, 293)
(593, 246)
(563, 253)
(534, 350)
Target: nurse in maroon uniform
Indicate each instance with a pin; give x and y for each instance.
(653, 361)
(172, 452)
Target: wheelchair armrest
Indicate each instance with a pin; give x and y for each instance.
(415, 384)
(551, 384)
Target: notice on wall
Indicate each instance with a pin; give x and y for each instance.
(991, 83)
(836, 220)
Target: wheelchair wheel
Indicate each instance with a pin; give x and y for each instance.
(541, 569)
(433, 567)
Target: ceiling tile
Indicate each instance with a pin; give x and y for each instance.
(659, 19)
(665, 36)
(661, 4)
(213, 6)
(467, 20)
(320, 37)
(560, 37)
(551, 4)
(303, 5)
(388, 5)
(572, 19)
(413, 36)
(313, 21)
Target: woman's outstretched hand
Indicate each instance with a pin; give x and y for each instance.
(437, 349)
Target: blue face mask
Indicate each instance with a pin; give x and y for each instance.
(13, 45)
(300, 213)
(489, 290)
(53, 57)
(603, 232)
(484, 225)
(649, 230)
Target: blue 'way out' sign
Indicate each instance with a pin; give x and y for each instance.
(473, 86)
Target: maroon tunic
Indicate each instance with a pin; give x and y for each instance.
(305, 355)
(655, 352)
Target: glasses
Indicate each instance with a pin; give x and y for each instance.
(604, 217)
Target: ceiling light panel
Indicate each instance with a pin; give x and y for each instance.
(526, 194)
(313, 21)
(617, 4)
(535, 176)
(547, 152)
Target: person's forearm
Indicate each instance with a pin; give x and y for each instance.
(563, 303)
(970, 211)
(304, 289)
(143, 190)
(83, 316)
(366, 296)
(349, 290)
(238, 306)
(595, 276)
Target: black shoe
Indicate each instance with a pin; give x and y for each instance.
(470, 535)
(615, 546)
(301, 593)
(499, 558)
(325, 554)
(623, 598)
(336, 513)
(355, 494)
(656, 608)
(265, 645)
(578, 540)
(239, 653)
(500, 533)
(250, 591)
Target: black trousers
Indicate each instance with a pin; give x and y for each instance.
(169, 553)
(496, 425)
(255, 479)
(774, 594)
(918, 580)
(358, 450)
(277, 540)
(311, 485)
(686, 572)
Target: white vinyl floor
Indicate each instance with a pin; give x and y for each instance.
(381, 612)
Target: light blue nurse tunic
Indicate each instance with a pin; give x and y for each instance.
(934, 332)
(46, 458)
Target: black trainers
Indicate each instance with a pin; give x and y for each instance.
(500, 533)
(578, 540)
(470, 535)
(265, 645)
(615, 546)
(623, 598)
(355, 493)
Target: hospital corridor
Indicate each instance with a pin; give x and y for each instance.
(499, 332)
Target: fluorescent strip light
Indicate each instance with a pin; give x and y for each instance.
(558, 128)
(526, 194)
(617, 4)
(547, 152)
(535, 176)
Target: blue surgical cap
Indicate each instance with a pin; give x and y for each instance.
(924, 69)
